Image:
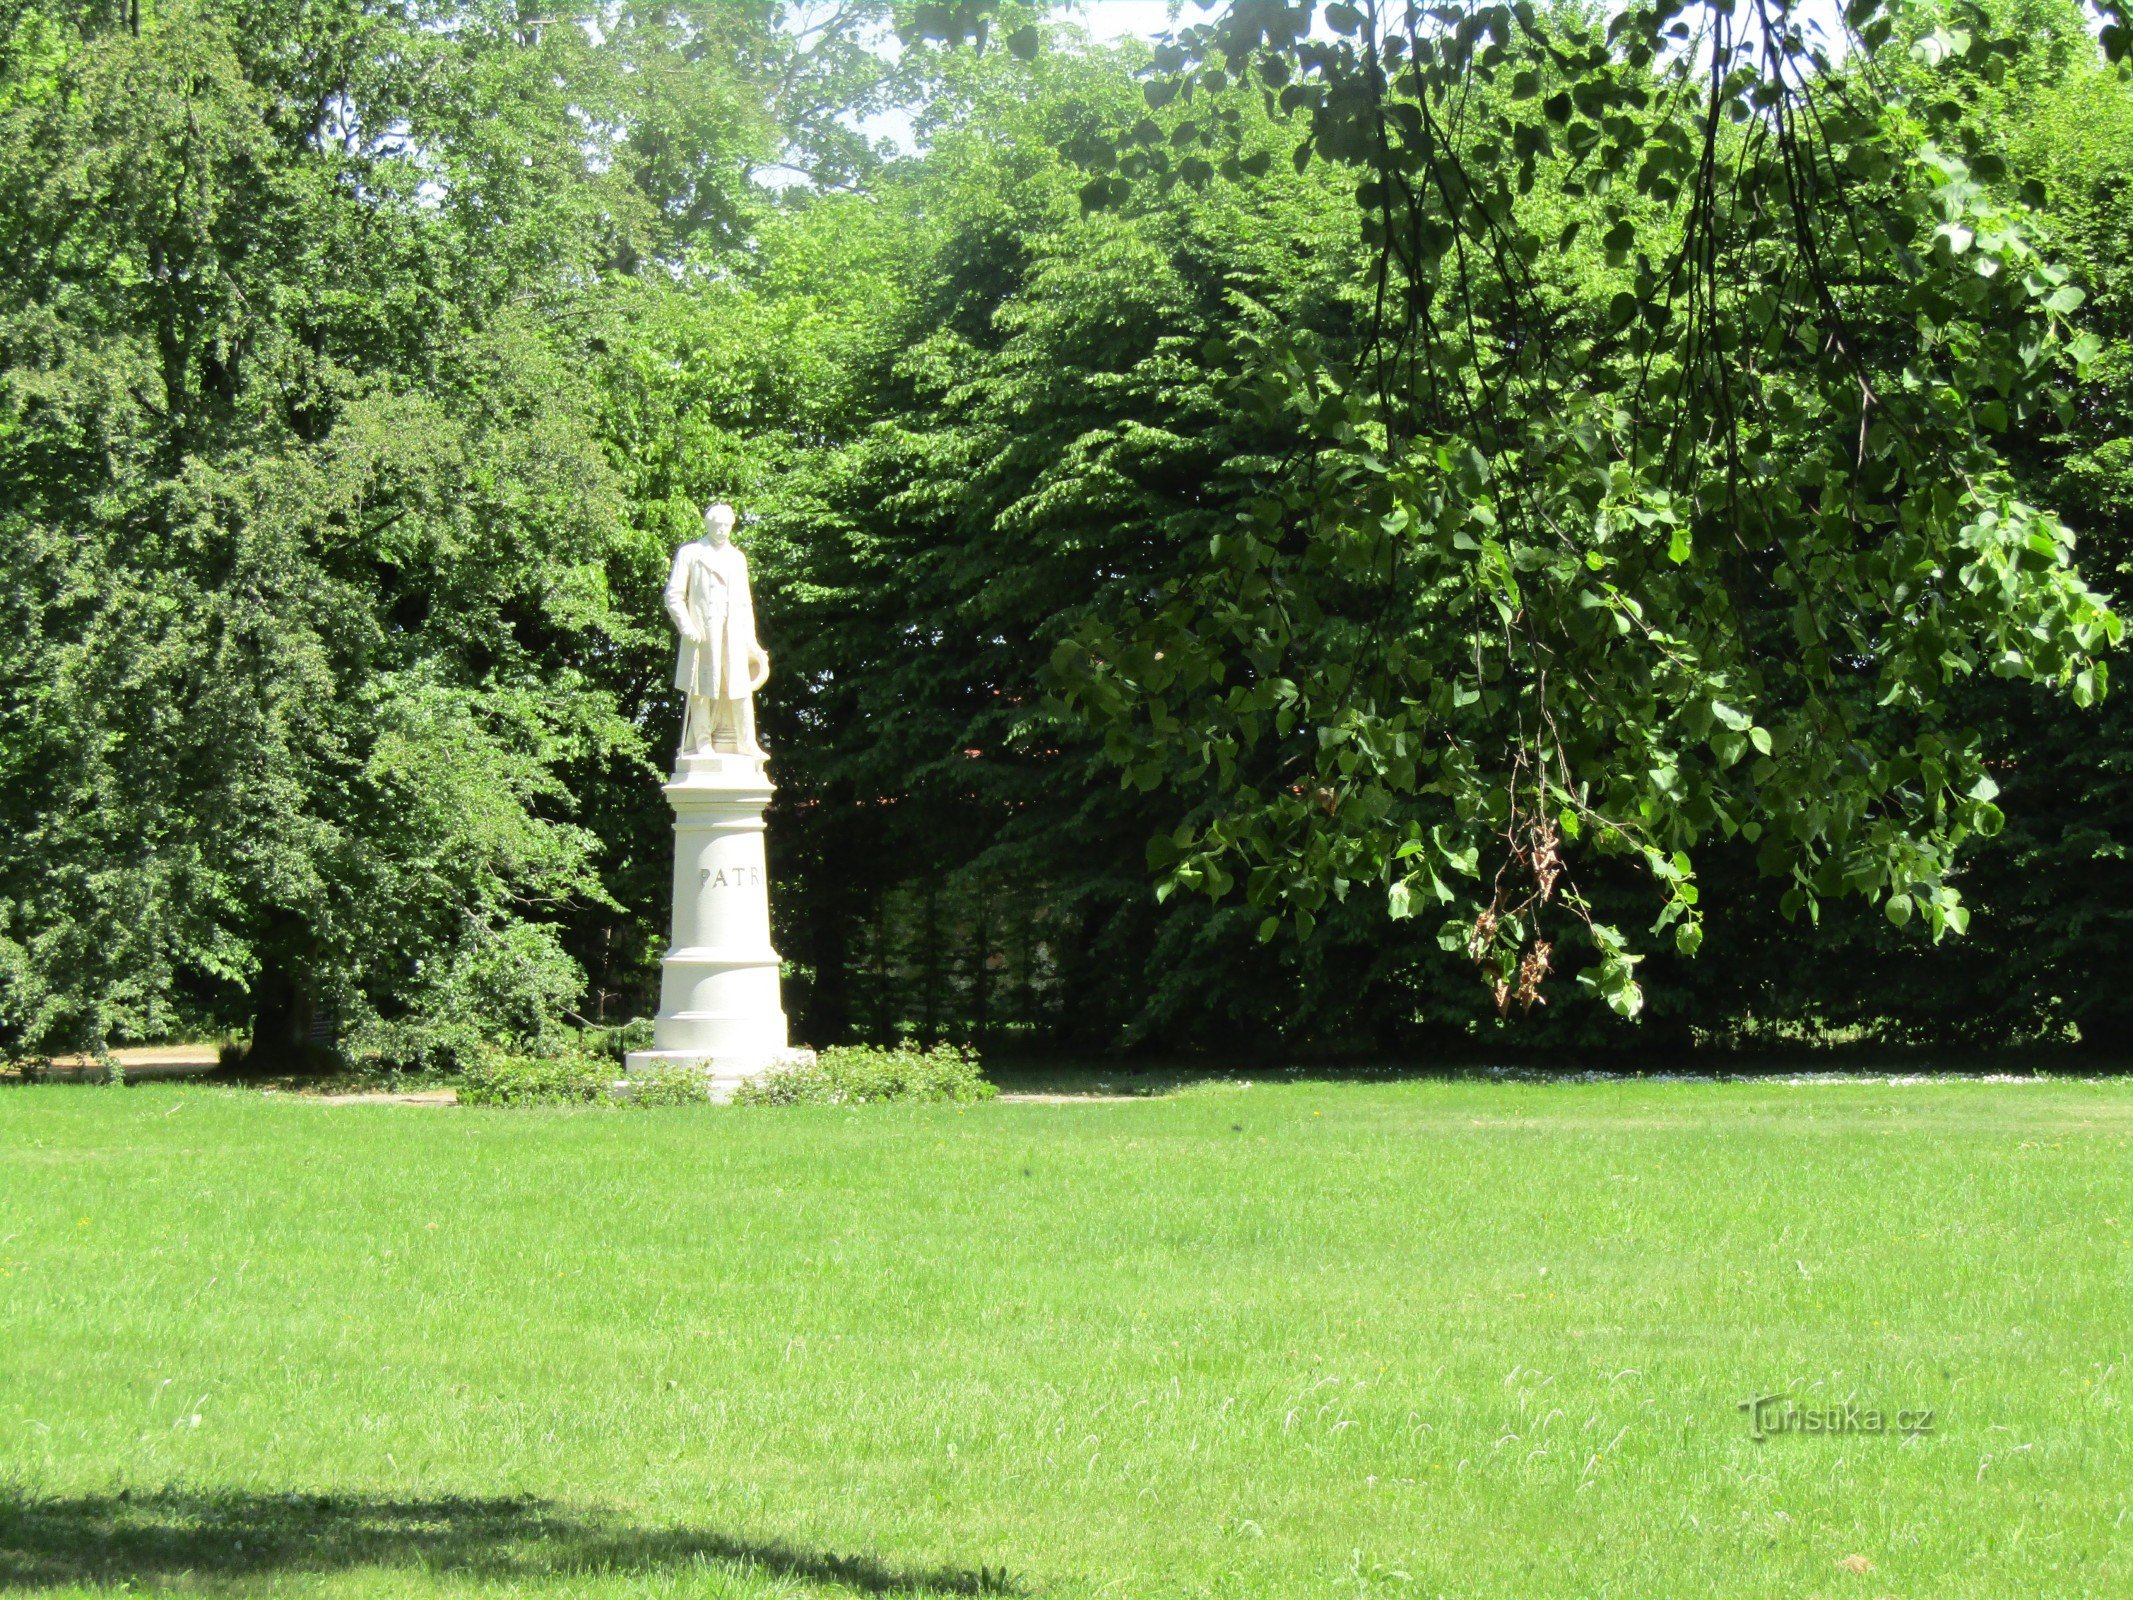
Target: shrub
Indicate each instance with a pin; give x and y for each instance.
(845, 1075)
(615, 1040)
(495, 1078)
(502, 991)
(575, 1077)
(669, 1086)
(864, 1074)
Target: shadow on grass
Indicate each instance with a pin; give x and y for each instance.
(1071, 1078)
(239, 1542)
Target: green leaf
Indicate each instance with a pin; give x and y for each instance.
(1098, 194)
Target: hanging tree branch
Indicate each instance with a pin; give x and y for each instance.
(1660, 497)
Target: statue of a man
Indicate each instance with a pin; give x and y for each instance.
(721, 664)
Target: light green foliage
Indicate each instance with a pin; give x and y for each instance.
(497, 1078)
(2047, 946)
(571, 1076)
(299, 555)
(510, 983)
(666, 1086)
(1065, 430)
(1484, 1340)
(857, 1075)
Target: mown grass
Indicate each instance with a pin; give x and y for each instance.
(1309, 1339)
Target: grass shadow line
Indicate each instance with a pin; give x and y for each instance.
(232, 1541)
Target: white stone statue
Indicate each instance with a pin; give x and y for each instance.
(721, 665)
(720, 1013)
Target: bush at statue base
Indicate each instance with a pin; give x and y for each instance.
(868, 1074)
(498, 1079)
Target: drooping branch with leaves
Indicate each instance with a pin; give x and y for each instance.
(1662, 497)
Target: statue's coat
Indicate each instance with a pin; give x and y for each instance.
(709, 585)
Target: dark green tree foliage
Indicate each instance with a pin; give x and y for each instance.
(2047, 947)
(1706, 554)
(2058, 948)
(1475, 457)
(1038, 436)
(331, 629)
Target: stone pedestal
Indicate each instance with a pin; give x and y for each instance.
(719, 1012)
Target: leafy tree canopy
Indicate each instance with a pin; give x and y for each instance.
(324, 548)
(1549, 470)
(1668, 497)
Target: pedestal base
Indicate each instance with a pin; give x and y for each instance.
(723, 1073)
(719, 1012)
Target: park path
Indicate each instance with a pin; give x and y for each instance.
(139, 1063)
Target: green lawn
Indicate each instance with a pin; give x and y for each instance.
(1307, 1339)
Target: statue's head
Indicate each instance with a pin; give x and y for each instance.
(718, 522)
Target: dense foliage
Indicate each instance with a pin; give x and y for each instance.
(861, 1075)
(1583, 475)
(326, 560)
(1667, 497)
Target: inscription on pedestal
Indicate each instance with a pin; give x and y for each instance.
(729, 877)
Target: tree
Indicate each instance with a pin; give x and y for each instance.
(329, 611)
(1540, 575)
